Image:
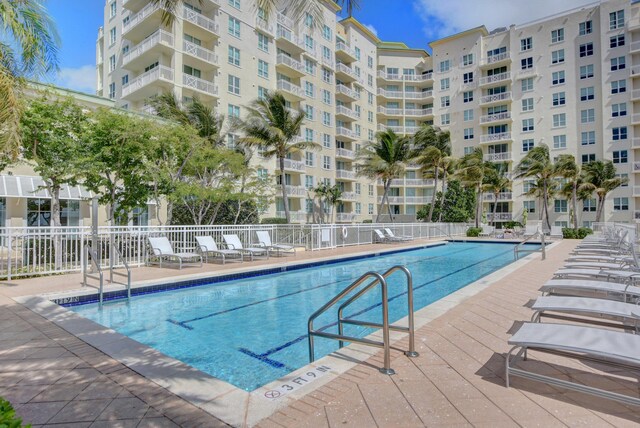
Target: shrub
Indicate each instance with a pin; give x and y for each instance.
(512, 224)
(474, 232)
(367, 221)
(581, 233)
(273, 220)
(8, 417)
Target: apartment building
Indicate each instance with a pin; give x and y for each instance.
(568, 81)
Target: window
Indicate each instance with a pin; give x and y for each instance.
(467, 77)
(527, 144)
(326, 141)
(559, 141)
(309, 43)
(232, 141)
(326, 75)
(234, 27)
(357, 52)
(309, 158)
(557, 77)
(587, 94)
(445, 101)
(526, 44)
(188, 70)
(326, 118)
(234, 56)
(559, 120)
(588, 115)
(467, 96)
(309, 67)
(585, 28)
(445, 119)
(623, 177)
(358, 208)
(527, 84)
(445, 66)
(445, 84)
(112, 63)
(616, 20)
(589, 157)
(618, 110)
(557, 35)
(263, 69)
(369, 61)
(234, 85)
(39, 212)
(326, 162)
(233, 110)
(620, 204)
(113, 8)
(326, 97)
(467, 59)
(263, 42)
(327, 33)
(586, 49)
(527, 104)
(559, 99)
(369, 79)
(560, 205)
(309, 90)
(618, 63)
(309, 112)
(308, 20)
(112, 36)
(326, 53)
(586, 71)
(618, 86)
(112, 90)
(526, 63)
(468, 133)
(527, 125)
(619, 133)
(616, 41)
(262, 93)
(234, 3)
(529, 206)
(468, 115)
(588, 138)
(589, 205)
(557, 57)
(370, 209)
(620, 156)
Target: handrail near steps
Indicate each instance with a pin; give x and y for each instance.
(543, 245)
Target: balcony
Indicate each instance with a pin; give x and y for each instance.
(387, 76)
(409, 182)
(345, 113)
(202, 86)
(344, 174)
(498, 117)
(496, 59)
(635, 119)
(636, 167)
(293, 215)
(634, 47)
(411, 129)
(142, 52)
(635, 71)
(496, 78)
(523, 74)
(348, 196)
(204, 58)
(288, 88)
(406, 112)
(264, 25)
(310, 51)
(395, 128)
(201, 21)
(345, 134)
(291, 165)
(418, 95)
(289, 66)
(347, 94)
(390, 94)
(328, 62)
(635, 94)
(345, 154)
(346, 74)
(142, 23)
(635, 142)
(390, 111)
(493, 138)
(413, 200)
(346, 217)
(294, 191)
(344, 52)
(499, 216)
(285, 21)
(288, 40)
(495, 98)
(502, 196)
(636, 191)
(418, 78)
(147, 83)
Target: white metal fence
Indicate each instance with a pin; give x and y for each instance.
(42, 251)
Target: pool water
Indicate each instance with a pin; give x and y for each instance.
(252, 331)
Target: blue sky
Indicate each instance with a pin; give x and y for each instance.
(415, 22)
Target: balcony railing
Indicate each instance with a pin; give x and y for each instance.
(327, 61)
(343, 68)
(636, 190)
(411, 129)
(501, 136)
(292, 190)
(388, 76)
(289, 62)
(199, 84)
(341, 89)
(346, 217)
(405, 112)
(348, 196)
(285, 20)
(264, 25)
(495, 78)
(635, 142)
(344, 153)
(139, 16)
(411, 182)
(341, 46)
(634, 46)
(635, 70)
(522, 74)
(499, 216)
(495, 117)
(636, 166)
(502, 196)
(502, 96)
(345, 132)
(283, 85)
(347, 112)
(389, 94)
(158, 73)
(292, 165)
(395, 128)
(345, 174)
(159, 36)
(407, 199)
(496, 58)
(418, 77)
(287, 34)
(293, 215)
(199, 52)
(200, 20)
(418, 95)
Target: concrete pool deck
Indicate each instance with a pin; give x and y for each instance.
(49, 374)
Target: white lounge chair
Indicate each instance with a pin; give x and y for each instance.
(487, 230)
(391, 235)
(605, 346)
(556, 232)
(233, 243)
(382, 238)
(162, 251)
(531, 229)
(208, 248)
(617, 275)
(625, 292)
(264, 240)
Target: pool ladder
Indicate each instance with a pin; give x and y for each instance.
(93, 270)
(377, 280)
(543, 246)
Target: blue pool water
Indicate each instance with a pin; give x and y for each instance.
(252, 331)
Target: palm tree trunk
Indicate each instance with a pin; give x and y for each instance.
(435, 191)
(444, 194)
(545, 202)
(283, 184)
(574, 202)
(495, 209)
(478, 206)
(601, 199)
(384, 198)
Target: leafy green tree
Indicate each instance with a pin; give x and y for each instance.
(472, 171)
(384, 159)
(537, 164)
(449, 165)
(432, 146)
(28, 49)
(567, 168)
(272, 126)
(496, 182)
(456, 205)
(601, 179)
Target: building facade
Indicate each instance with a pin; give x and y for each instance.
(568, 81)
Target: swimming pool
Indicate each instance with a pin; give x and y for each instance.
(249, 332)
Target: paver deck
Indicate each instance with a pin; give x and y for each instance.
(52, 377)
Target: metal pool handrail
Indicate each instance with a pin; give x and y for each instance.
(543, 245)
(113, 272)
(91, 258)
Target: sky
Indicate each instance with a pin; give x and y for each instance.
(414, 22)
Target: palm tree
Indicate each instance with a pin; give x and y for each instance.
(567, 168)
(432, 145)
(321, 191)
(537, 164)
(448, 168)
(28, 49)
(495, 183)
(384, 159)
(472, 172)
(601, 178)
(334, 197)
(270, 125)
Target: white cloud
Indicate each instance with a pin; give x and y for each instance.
(443, 18)
(80, 79)
(372, 29)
